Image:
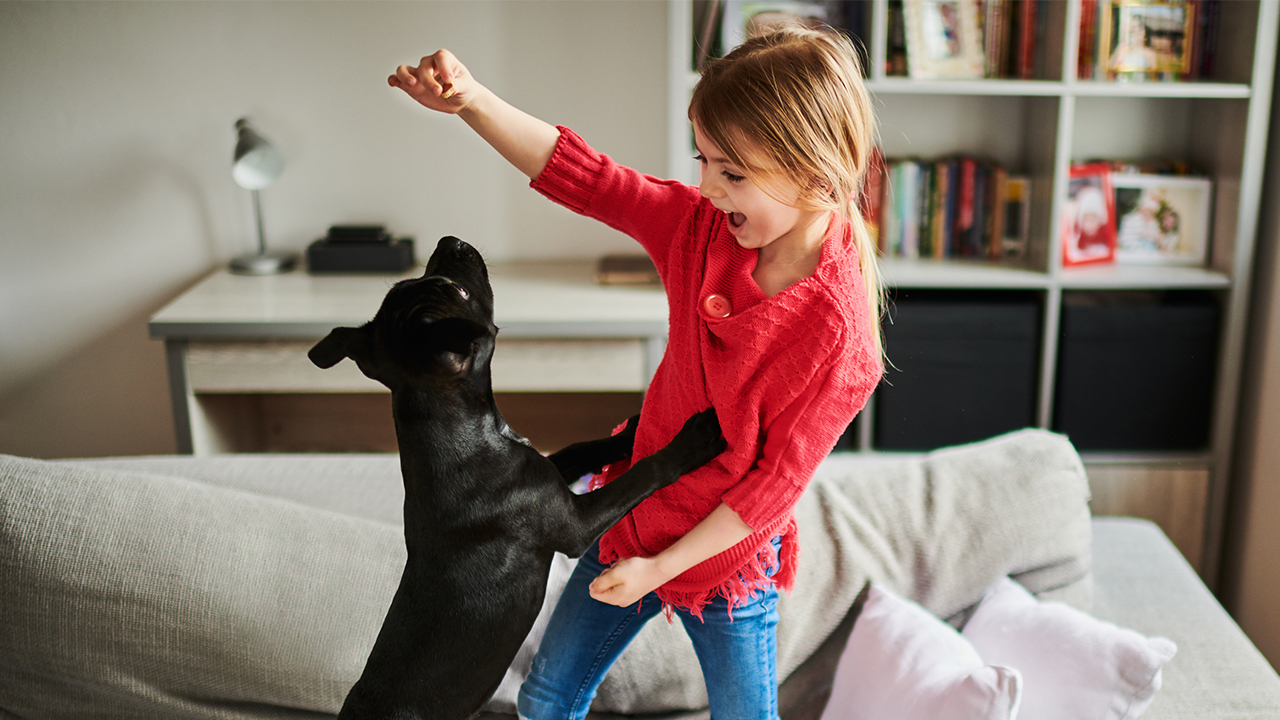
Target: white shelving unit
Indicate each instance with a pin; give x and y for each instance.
(1038, 128)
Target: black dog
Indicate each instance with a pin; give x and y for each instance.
(483, 511)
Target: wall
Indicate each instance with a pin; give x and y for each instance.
(1251, 575)
(116, 191)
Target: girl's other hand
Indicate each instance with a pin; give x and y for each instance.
(627, 581)
(439, 82)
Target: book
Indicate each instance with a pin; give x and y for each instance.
(871, 200)
(1026, 40)
(1017, 217)
(952, 207)
(996, 213)
(910, 210)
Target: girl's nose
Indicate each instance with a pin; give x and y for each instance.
(709, 188)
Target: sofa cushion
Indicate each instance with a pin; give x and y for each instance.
(365, 485)
(135, 595)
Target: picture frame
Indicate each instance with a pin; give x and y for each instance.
(1088, 218)
(1143, 39)
(1162, 219)
(747, 18)
(944, 39)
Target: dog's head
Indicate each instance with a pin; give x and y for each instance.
(430, 330)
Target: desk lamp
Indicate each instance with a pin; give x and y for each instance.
(257, 165)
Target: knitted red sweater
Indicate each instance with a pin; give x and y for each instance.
(786, 373)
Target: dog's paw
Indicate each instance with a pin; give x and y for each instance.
(626, 437)
(700, 439)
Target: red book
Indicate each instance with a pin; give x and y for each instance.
(965, 168)
(872, 197)
(1027, 41)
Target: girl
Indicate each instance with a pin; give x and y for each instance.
(774, 304)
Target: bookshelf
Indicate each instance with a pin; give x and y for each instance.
(1037, 128)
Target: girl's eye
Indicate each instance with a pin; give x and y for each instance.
(735, 179)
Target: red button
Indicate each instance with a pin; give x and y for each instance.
(717, 306)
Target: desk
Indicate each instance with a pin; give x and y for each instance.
(240, 379)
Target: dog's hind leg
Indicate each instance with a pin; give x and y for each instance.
(590, 457)
(593, 513)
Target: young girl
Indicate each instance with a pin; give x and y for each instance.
(774, 304)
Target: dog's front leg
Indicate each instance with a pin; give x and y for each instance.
(590, 457)
(695, 445)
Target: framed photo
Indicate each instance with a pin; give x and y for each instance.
(1089, 217)
(748, 18)
(944, 39)
(1162, 219)
(1143, 38)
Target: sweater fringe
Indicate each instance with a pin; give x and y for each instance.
(770, 566)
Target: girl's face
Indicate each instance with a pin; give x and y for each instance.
(756, 219)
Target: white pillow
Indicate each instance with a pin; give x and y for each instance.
(902, 663)
(1073, 665)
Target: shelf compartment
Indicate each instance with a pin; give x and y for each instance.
(1136, 369)
(963, 367)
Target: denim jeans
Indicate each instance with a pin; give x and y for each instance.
(585, 636)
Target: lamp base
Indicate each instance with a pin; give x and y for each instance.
(264, 263)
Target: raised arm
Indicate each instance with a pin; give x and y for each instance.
(441, 83)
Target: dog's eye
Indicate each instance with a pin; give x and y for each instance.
(463, 292)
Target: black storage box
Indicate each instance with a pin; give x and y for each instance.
(359, 248)
(963, 367)
(1136, 369)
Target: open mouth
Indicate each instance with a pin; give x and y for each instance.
(736, 219)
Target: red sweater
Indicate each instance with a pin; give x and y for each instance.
(786, 373)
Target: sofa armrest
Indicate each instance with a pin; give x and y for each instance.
(1142, 582)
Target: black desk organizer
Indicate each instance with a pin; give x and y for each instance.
(360, 248)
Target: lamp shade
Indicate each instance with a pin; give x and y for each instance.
(257, 164)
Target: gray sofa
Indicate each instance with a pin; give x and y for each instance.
(253, 586)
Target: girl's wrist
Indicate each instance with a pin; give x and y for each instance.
(666, 567)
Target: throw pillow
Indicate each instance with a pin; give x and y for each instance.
(902, 663)
(1073, 665)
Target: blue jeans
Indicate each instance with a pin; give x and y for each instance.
(585, 636)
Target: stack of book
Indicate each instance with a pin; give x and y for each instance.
(1012, 31)
(953, 207)
(1011, 34)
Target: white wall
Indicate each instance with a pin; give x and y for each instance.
(116, 191)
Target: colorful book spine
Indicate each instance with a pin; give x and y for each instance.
(948, 208)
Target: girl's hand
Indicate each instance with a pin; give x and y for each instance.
(627, 581)
(439, 82)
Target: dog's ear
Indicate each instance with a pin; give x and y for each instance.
(453, 340)
(343, 342)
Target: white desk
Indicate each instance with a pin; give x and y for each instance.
(235, 343)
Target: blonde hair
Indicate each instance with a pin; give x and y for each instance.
(796, 94)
